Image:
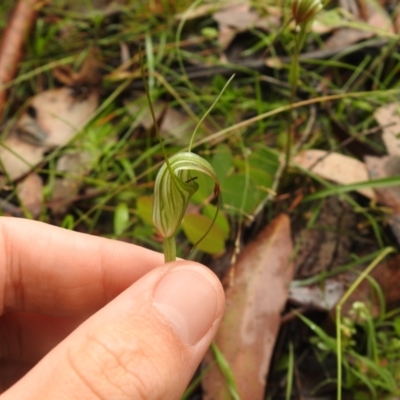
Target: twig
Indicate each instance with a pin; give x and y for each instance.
(21, 21)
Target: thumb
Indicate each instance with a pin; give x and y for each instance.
(145, 344)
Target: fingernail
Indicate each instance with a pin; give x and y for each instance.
(188, 300)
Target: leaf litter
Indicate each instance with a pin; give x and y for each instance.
(50, 121)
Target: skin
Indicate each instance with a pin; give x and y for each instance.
(80, 317)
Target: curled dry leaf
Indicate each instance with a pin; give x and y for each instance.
(335, 167)
(252, 319)
(87, 76)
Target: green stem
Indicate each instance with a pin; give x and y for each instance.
(294, 75)
(169, 248)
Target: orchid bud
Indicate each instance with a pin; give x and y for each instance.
(305, 10)
(173, 189)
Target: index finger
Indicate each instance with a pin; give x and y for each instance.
(50, 270)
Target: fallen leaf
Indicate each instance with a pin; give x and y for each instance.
(387, 276)
(241, 17)
(388, 118)
(251, 323)
(326, 243)
(18, 157)
(60, 113)
(377, 16)
(345, 37)
(322, 297)
(384, 167)
(73, 166)
(30, 193)
(335, 167)
(173, 123)
(226, 34)
(51, 120)
(87, 76)
(364, 20)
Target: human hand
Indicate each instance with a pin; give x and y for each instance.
(85, 317)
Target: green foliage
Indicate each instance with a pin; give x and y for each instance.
(194, 226)
(250, 179)
(226, 371)
(121, 219)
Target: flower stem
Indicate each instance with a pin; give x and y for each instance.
(169, 248)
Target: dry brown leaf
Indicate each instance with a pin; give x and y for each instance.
(241, 17)
(18, 157)
(335, 167)
(51, 120)
(87, 76)
(346, 37)
(30, 193)
(384, 167)
(325, 244)
(172, 123)
(388, 118)
(367, 18)
(226, 34)
(254, 304)
(60, 113)
(74, 165)
(387, 275)
(377, 16)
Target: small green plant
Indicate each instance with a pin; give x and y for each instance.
(369, 369)
(174, 185)
(387, 382)
(303, 13)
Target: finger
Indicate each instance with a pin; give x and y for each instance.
(27, 337)
(145, 344)
(63, 273)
